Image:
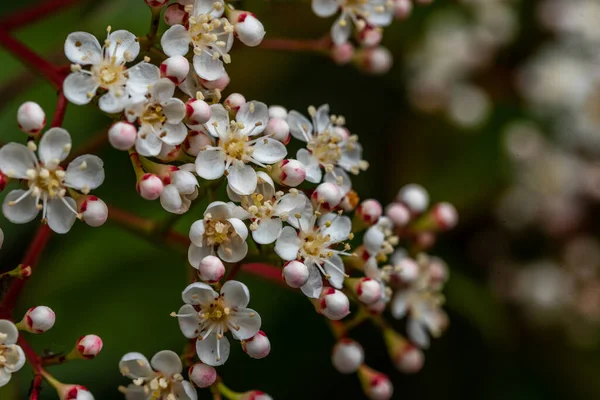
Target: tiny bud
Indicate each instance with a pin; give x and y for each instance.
(255, 395)
(347, 356)
(342, 54)
(370, 36)
(175, 68)
(415, 197)
(334, 304)
(368, 290)
(122, 135)
(220, 83)
(74, 392)
(197, 112)
(234, 101)
(410, 361)
(175, 14)
(402, 9)
(406, 270)
(438, 271)
(350, 201)
(377, 386)
(211, 269)
(94, 211)
(258, 346)
(196, 141)
(445, 216)
(278, 112)
(156, 3)
(377, 60)
(247, 27)
(279, 130)
(150, 187)
(169, 153)
(202, 375)
(295, 274)
(3, 181)
(398, 213)
(327, 195)
(38, 320)
(31, 118)
(369, 211)
(89, 346)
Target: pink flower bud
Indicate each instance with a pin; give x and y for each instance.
(445, 216)
(370, 36)
(202, 375)
(255, 395)
(377, 308)
(38, 319)
(342, 54)
(89, 346)
(94, 211)
(196, 141)
(289, 172)
(347, 356)
(175, 68)
(327, 195)
(402, 9)
(31, 118)
(175, 14)
(150, 187)
(334, 304)
(415, 197)
(258, 346)
(279, 130)
(380, 388)
(295, 274)
(211, 269)
(247, 28)
(3, 181)
(156, 3)
(369, 211)
(368, 290)
(74, 392)
(122, 135)
(234, 101)
(377, 60)
(278, 112)
(398, 213)
(438, 271)
(197, 112)
(406, 270)
(350, 201)
(410, 360)
(219, 84)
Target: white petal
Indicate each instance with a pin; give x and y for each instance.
(218, 124)
(198, 293)
(235, 253)
(351, 157)
(123, 45)
(174, 110)
(378, 18)
(134, 392)
(54, 147)
(300, 127)
(242, 179)
(265, 185)
(306, 215)
(85, 172)
(15, 160)
(147, 143)
(399, 304)
(333, 177)
(336, 271)
(219, 210)
(21, 212)
(79, 88)
(176, 41)
(4, 377)
(313, 169)
(16, 357)
(417, 333)
(288, 244)
(109, 103)
(340, 30)
(162, 90)
(60, 217)
(240, 228)
(255, 116)
(83, 48)
(184, 181)
(141, 76)
(189, 321)
(238, 212)
(184, 391)
(268, 230)
(175, 134)
(269, 151)
(207, 350)
(235, 295)
(290, 204)
(171, 200)
(249, 323)
(324, 8)
(135, 365)
(207, 7)
(197, 253)
(207, 67)
(10, 330)
(340, 227)
(314, 285)
(210, 163)
(373, 239)
(167, 362)
(322, 117)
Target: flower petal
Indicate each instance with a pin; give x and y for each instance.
(147, 143)
(300, 127)
(373, 239)
(79, 88)
(219, 210)
(322, 118)
(86, 172)
(135, 365)
(54, 147)
(335, 175)
(340, 30)
(124, 46)
(268, 230)
(207, 7)
(15, 358)
(207, 67)
(109, 103)
(135, 392)
(240, 228)
(141, 76)
(340, 227)
(162, 90)
(23, 211)
(196, 254)
(174, 110)
(4, 377)
(167, 362)
(184, 391)
(213, 351)
(210, 163)
(255, 116)
(248, 321)
(269, 151)
(236, 252)
(174, 134)
(324, 8)
(314, 285)
(176, 41)
(351, 158)
(313, 169)
(10, 330)
(60, 217)
(334, 266)
(417, 333)
(290, 204)
(83, 48)
(288, 244)
(242, 179)
(199, 293)
(184, 181)
(170, 199)
(235, 295)
(218, 124)
(16, 160)
(189, 321)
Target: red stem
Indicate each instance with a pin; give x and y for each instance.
(36, 387)
(61, 109)
(265, 271)
(32, 357)
(32, 14)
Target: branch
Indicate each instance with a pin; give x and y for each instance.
(32, 14)
(61, 109)
(314, 45)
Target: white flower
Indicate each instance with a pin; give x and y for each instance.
(165, 382)
(210, 35)
(312, 244)
(207, 315)
(48, 183)
(236, 148)
(177, 196)
(12, 357)
(267, 208)
(376, 13)
(329, 144)
(107, 70)
(221, 230)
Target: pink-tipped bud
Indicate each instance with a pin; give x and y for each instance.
(175, 15)
(3, 181)
(377, 308)
(398, 213)
(211, 269)
(122, 135)
(202, 375)
(156, 3)
(94, 211)
(175, 68)
(288, 172)
(234, 101)
(278, 112)
(402, 9)
(247, 28)
(196, 141)
(279, 130)
(327, 195)
(169, 153)
(410, 360)
(255, 395)
(415, 197)
(197, 112)
(369, 211)
(74, 392)
(445, 216)
(368, 290)
(258, 346)
(150, 187)
(406, 270)
(38, 319)
(334, 304)
(31, 118)
(347, 356)
(438, 271)
(376, 61)
(350, 201)
(295, 274)
(342, 54)
(89, 346)
(370, 36)
(219, 84)
(376, 385)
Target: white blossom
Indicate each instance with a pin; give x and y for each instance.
(12, 357)
(177, 196)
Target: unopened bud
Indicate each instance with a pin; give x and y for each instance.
(370, 36)
(377, 60)
(234, 101)
(334, 304)
(150, 187)
(175, 14)
(377, 308)
(406, 271)
(278, 112)
(289, 172)
(38, 320)
(122, 135)
(347, 356)
(202, 375)
(376, 385)
(31, 118)
(343, 53)
(279, 130)
(415, 197)
(350, 201)
(258, 346)
(175, 68)
(94, 211)
(74, 392)
(197, 112)
(196, 141)
(211, 269)
(410, 361)
(255, 395)
(398, 213)
(367, 290)
(156, 3)
(3, 181)
(402, 9)
(219, 84)
(369, 211)
(89, 346)
(327, 195)
(445, 216)
(295, 274)
(248, 28)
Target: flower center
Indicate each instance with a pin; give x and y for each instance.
(236, 146)
(9, 356)
(154, 115)
(326, 147)
(314, 244)
(216, 311)
(258, 206)
(218, 232)
(47, 181)
(108, 73)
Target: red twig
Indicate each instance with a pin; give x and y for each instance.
(132, 221)
(265, 271)
(32, 14)
(32, 357)
(36, 387)
(61, 109)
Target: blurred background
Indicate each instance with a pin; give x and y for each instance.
(476, 108)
